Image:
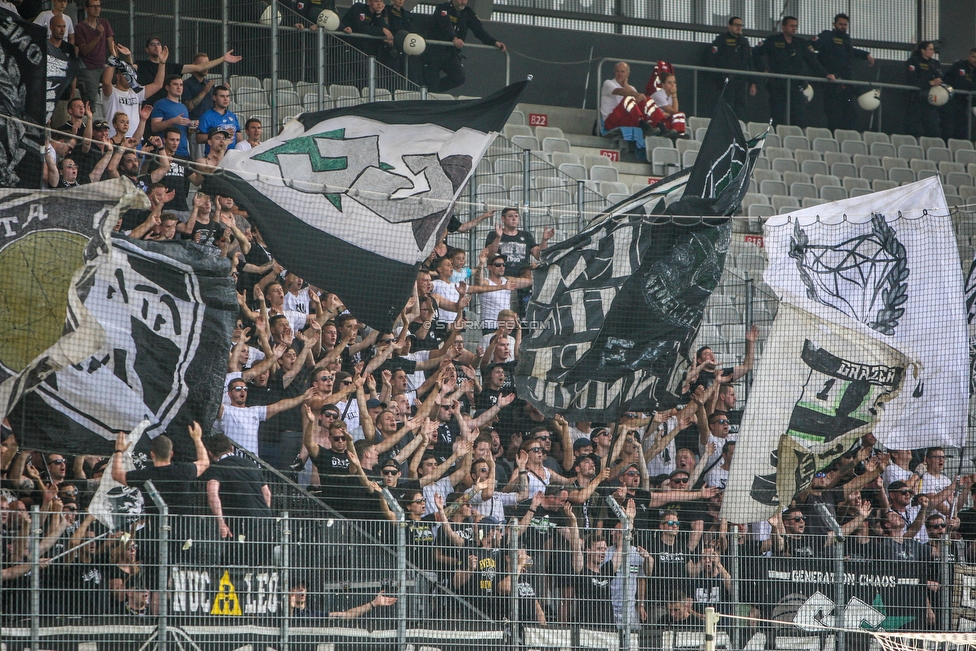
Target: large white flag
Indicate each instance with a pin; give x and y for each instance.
(888, 260)
(823, 381)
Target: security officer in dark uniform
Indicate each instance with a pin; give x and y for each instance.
(961, 75)
(923, 71)
(788, 54)
(836, 54)
(401, 20)
(367, 18)
(309, 10)
(731, 51)
(451, 22)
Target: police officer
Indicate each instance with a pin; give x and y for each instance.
(451, 22)
(836, 54)
(923, 71)
(367, 18)
(401, 20)
(731, 51)
(961, 75)
(788, 54)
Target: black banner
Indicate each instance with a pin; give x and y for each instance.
(23, 80)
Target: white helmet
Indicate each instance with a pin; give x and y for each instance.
(808, 92)
(328, 20)
(870, 100)
(939, 95)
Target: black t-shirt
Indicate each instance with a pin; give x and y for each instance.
(592, 593)
(209, 232)
(331, 463)
(177, 179)
(516, 249)
(240, 487)
(87, 161)
(146, 74)
(543, 529)
(174, 483)
(420, 541)
(710, 591)
(291, 419)
(670, 561)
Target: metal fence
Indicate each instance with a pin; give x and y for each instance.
(553, 578)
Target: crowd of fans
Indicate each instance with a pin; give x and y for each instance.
(427, 412)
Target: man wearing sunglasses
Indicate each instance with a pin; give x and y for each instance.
(824, 489)
(901, 496)
(241, 422)
(790, 537)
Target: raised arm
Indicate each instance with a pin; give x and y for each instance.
(203, 459)
(308, 432)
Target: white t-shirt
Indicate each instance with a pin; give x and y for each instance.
(933, 484)
(718, 447)
(298, 302)
(243, 145)
(126, 101)
(44, 18)
(717, 477)
(449, 292)
(296, 319)
(661, 98)
(352, 416)
(235, 375)
(663, 462)
(609, 101)
(486, 341)
(494, 302)
(415, 379)
(896, 473)
(442, 487)
(241, 425)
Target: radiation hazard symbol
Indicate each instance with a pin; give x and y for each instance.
(226, 602)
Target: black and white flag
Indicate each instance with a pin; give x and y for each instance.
(615, 308)
(23, 79)
(352, 195)
(50, 244)
(889, 261)
(168, 312)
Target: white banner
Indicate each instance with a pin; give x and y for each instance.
(889, 261)
(819, 387)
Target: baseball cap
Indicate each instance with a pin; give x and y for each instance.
(390, 463)
(373, 403)
(99, 124)
(220, 129)
(581, 443)
(583, 457)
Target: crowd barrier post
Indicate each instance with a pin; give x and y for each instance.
(526, 187)
(580, 203)
(35, 556)
(840, 601)
(401, 564)
(224, 42)
(285, 564)
(275, 115)
(513, 606)
(321, 65)
(749, 317)
(734, 572)
(371, 67)
(627, 606)
(163, 563)
(176, 29)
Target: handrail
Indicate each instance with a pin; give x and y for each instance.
(770, 75)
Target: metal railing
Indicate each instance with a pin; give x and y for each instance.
(718, 72)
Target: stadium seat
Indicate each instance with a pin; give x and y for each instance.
(919, 164)
(248, 109)
(832, 157)
(558, 158)
(610, 187)
(589, 160)
(761, 210)
(967, 192)
(574, 171)
(513, 179)
(890, 162)
(796, 142)
(843, 135)
(751, 262)
(342, 90)
(770, 188)
(773, 140)
(785, 165)
(824, 145)
(251, 96)
(512, 130)
(699, 132)
(939, 154)
(722, 314)
(871, 137)
(812, 133)
(766, 175)
(882, 149)
(948, 167)
(548, 132)
(958, 179)
(954, 200)
(803, 155)
(603, 173)
(762, 163)
(665, 161)
(899, 139)
(882, 184)
(616, 197)
(948, 189)
(860, 192)
(956, 144)
(556, 197)
(843, 170)
(908, 152)
(525, 142)
(550, 145)
(971, 169)
(756, 128)
(506, 164)
(244, 81)
(491, 190)
(850, 183)
(637, 187)
(283, 84)
(687, 145)
(832, 193)
(311, 102)
(774, 153)
(873, 172)
(517, 117)
(853, 147)
(516, 194)
(347, 100)
(801, 190)
(812, 167)
(965, 156)
(548, 179)
(809, 202)
(784, 130)
(789, 178)
(824, 180)
(782, 201)
(653, 142)
(927, 142)
(860, 160)
(926, 173)
(901, 175)
(753, 198)
(289, 99)
(695, 122)
(689, 157)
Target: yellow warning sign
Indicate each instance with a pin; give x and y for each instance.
(226, 602)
